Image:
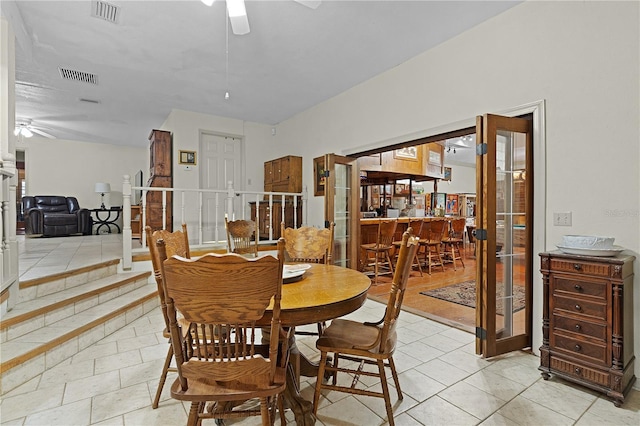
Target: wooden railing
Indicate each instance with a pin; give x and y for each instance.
(204, 210)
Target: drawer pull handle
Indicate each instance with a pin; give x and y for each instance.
(578, 326)
(578, 370)
(578, 287)
(578, 307)
(578, 347)
(577, 266)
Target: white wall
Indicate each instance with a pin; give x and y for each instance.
(72, 168)
(581, 57)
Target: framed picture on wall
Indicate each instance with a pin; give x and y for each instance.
(319, 176)
(447, 173)
(407, 153)
(187, 157)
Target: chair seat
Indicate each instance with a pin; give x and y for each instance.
(60, 219)
(353, 337)
(376, 247)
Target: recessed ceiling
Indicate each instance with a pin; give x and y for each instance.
(164, 55)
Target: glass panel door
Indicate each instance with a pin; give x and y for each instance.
(342, 186)
(505, 263)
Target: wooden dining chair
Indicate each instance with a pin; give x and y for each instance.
(454, 241)
(367, 343)
(381, 248)
(416, 225)
(175, 243)
(242, 236)
(432, 256)
(308, 244)
(220, 359)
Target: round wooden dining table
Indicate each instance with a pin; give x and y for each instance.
(322, 293)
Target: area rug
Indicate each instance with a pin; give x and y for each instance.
(465, 294)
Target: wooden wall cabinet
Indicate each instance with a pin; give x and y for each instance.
(160, 176)
(283, 174)
(587, 321)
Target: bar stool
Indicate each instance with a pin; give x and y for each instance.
(454, 240)
(382, 247)
(433, 233)
(416, 227)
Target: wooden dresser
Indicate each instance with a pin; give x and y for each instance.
(587, 321)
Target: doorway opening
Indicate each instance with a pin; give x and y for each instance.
(21, 190)
(456, 300)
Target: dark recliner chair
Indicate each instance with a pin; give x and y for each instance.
(55, 216)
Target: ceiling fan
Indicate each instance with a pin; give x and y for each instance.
(26, 129)
(238, 13)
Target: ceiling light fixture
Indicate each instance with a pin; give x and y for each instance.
(238, 16)
(23, 130)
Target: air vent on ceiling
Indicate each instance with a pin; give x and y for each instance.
(106, 11)
(81, 76)
(90, 101)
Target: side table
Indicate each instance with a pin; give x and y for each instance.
(112, 215)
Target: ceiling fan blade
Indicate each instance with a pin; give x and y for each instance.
(238, 17)
(42, 133)
(313, 4)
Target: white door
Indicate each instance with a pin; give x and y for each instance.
(220, 162)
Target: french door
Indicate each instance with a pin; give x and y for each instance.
(504, 222)
(342, 207)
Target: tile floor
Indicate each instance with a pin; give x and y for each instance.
(113, 381)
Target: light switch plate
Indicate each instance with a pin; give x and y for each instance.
(562, 219)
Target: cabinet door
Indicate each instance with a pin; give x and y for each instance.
(268, 172)
(285, 168)
(277, 170)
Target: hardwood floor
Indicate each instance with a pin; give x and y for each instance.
(453, 314)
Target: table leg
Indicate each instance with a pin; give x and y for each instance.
(298, 365)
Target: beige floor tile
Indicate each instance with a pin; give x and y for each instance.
(406, 420)
(31, 402)
(141, 373)
(437, 411)
(377, 405)
(91, 386)
(95, 351)
(119, 402)
(559, 397)
(64, 373)
(418, 386)
(74, 414)
(526, 412)
(472, 400)
(465, 361)
(498, 420)
(495, 385)
(169, 413)
(442, 371)
(627, 414)
(137, 342)
(117, 361)
(420, 351)
(347, 412)
(442, 342)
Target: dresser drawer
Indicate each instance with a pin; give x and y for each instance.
(593, 309)
(580, 372)
(580, 267)
(592, 352)
(590, 329)
(580, 287)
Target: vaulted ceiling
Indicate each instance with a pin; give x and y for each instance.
(161, 55)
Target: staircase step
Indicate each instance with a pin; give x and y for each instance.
(30, 354)
(30, 315)
(42, 286)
